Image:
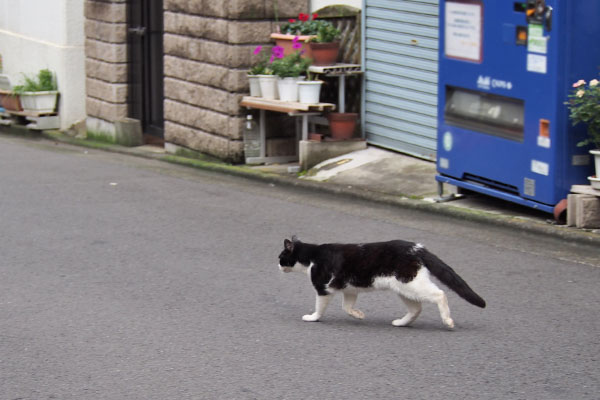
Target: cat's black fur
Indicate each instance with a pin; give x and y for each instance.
(352, 268)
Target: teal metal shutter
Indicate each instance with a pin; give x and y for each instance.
(400, 54)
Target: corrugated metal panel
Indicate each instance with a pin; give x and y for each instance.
(400, 61)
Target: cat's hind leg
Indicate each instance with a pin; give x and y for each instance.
(320, 306)
(414, 309)
(422, 288)
(348, 305)
(436, 295)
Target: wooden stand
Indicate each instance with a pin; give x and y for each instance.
(293, 109)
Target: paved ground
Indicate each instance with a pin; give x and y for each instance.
(129, 278)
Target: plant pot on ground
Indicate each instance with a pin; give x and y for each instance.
(584, 108)
(342, 125)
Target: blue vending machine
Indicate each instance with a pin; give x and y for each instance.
(506, 68)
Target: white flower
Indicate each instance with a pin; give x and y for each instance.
(594, 82)
(580, 93)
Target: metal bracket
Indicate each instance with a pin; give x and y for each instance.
(444, 199)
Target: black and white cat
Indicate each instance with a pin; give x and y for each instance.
(400, 266)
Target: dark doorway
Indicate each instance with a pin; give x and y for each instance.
(146, 92)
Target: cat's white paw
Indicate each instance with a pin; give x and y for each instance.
(449, 323)
(357, 314)
(310, 317)
(400, 322)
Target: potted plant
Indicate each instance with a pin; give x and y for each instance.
(267, 80)
(289, 70)
(584, 107)
(309, 90)
(325, 46)
(303, 28)
(260, 68)
(39, 93)
(342, 125)
(8, 100)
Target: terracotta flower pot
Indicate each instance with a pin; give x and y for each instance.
(286, 41)
(10, 102)
(325, 53)
(342, 125)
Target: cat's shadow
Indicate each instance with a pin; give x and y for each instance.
(380, 324)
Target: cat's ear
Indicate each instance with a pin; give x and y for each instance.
(288, 245)
(295, 239)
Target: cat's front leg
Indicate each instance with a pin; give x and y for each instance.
(348, 305)
(320, 306)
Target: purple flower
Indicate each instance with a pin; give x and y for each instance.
(295, 44)
(277, 52)
(258, 49)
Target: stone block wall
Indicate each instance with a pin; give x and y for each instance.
(208, 49)
(106, 64)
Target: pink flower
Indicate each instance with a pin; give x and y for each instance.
(295, 44)
(258, 49)
(277, 51)
(579, 83)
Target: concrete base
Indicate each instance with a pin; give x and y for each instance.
(583, 211)
(128, 132)
(312, 153)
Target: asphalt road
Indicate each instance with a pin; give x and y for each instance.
(127, 278)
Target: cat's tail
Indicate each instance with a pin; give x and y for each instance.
(450, 278)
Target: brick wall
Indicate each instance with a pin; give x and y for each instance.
(208, 49)
(106, 63)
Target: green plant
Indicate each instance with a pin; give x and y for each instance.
(292, 65)
(42, 82)
(326, 33)
(262, 66)
(310, 25)
(584, 107)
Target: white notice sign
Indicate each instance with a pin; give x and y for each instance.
(463, 31)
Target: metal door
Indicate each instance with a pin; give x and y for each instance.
(400, 55)
(146, 92)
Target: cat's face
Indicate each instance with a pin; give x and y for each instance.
(287, 259)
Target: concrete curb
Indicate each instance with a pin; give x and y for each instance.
(459, 213)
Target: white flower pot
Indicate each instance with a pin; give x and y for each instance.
(596, 154)
(309, 91)
(288, 89)
(268, 86)
(254, 86)
(39, 102)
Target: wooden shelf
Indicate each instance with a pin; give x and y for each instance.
(31, 114)
(284, 106)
